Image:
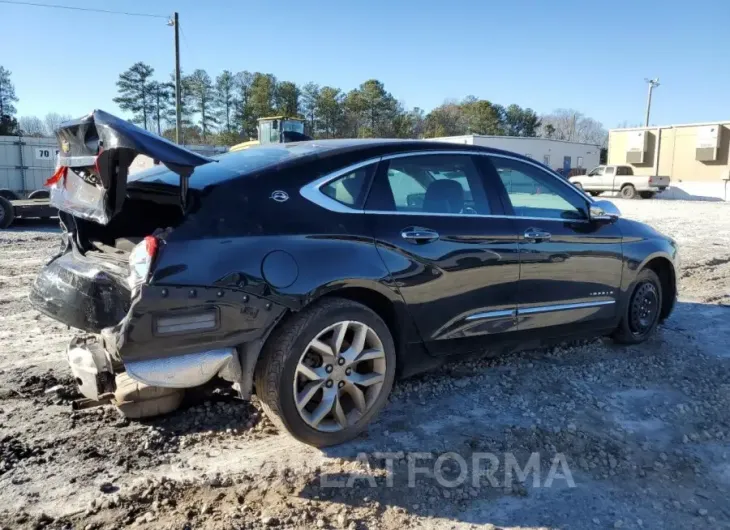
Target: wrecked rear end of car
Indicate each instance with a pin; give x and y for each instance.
(120, 274)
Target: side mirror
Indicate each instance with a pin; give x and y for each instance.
(603, 211)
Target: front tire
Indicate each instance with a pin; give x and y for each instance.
(643, 310)
(594, 193)
(327, 372)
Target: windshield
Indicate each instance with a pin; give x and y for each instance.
(228, 165)
(293, 125)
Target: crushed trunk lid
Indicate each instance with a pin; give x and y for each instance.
(95, 153)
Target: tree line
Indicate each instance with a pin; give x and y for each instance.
(224, 110)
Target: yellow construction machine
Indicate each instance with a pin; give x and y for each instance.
(276, 130)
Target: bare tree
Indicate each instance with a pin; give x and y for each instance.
(32, 126)
(573, 126)
(52, 121)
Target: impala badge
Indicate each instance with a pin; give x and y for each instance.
(279, 196)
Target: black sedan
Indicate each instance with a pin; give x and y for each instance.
(314, 273)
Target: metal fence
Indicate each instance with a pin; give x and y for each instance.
(26, 163)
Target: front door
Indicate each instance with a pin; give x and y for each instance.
(570, 267)
(456, 268)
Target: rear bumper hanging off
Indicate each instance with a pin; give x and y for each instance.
(188, 370)
(94, 370)
(91, 366)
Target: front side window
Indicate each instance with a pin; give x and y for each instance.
(610, 170)
(439, 184)
(349, 189)
(597, 172)
(535, 193)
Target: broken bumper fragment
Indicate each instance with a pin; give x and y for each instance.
(91, 367)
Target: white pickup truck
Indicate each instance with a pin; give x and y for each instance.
(621, 179)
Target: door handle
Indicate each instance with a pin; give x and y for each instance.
(418, 235)
(535, 235)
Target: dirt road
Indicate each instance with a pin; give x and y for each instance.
(604, 436)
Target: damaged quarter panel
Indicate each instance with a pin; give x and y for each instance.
(250, 258)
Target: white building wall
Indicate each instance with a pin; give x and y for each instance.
(546, 151)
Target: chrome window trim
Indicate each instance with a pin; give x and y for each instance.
(314, 194)
(563, 307)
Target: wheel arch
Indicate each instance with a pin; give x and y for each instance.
(386, 302)
(664, 269)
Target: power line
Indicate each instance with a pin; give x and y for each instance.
(185, 40)
(74, 8)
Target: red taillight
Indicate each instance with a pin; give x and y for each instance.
(96, 162)
(151, 245)
(140, 260)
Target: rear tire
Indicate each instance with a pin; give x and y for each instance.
(647, 194)
(9, 195)
(628, 192)
(137, 400)
(7, 213)
(643, 310)
(288, 357)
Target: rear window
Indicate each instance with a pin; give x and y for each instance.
(228, 165)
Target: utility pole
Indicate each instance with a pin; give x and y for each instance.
(175, 22)
(652, 83)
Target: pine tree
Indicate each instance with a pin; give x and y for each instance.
(135, 93)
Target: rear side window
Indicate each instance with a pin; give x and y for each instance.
(431, 184)
(350, 189)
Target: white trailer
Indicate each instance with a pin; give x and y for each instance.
(559, 155)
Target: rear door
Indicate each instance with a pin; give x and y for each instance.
(455, 266)
(570, 267)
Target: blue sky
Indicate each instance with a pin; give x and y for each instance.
(588, 55)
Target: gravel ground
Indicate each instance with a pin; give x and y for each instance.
(641, 434)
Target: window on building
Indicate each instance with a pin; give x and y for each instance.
(580, 161)
(546, 160)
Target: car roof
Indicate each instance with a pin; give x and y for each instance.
(375, 146)
(237, 163)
